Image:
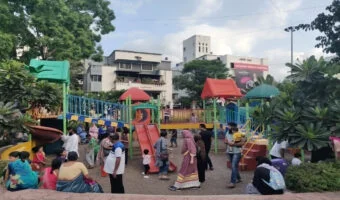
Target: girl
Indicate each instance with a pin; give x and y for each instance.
(39, 158)
(50, 176)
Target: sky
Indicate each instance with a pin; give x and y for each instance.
(252, 28)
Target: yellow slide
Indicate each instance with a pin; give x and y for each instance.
(23, 146)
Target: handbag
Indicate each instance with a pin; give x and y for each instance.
(164, 155)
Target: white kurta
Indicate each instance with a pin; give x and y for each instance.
(71, 143)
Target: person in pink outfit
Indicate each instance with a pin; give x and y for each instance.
(49, 177)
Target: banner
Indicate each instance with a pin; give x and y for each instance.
(247, 74)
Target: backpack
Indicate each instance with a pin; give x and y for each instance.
(276, 181)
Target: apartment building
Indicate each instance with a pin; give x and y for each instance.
(124, 69)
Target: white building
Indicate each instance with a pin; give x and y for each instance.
(196, 46)
(125, 69)
(244, 69)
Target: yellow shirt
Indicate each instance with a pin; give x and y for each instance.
(237, 137)
(70, 172)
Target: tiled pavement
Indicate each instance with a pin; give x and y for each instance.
(139, 188)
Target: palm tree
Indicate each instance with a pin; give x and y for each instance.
(308, 70)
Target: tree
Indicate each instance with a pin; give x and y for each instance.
(195, 73)
(53, 29)
(328, 24)
(307, 111)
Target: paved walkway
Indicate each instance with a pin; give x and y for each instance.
(53, 195)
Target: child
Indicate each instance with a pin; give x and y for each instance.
(296, 160)
(39, 158)
(146, 162)
(173, 139)
(61, 155)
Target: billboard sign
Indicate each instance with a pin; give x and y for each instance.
(246, 74)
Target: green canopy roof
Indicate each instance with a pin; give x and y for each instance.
(54, 71)
(262, 91)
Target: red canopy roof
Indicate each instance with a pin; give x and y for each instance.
(225, 88)
(136, 95)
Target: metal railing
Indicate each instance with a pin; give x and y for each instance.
(96, 108)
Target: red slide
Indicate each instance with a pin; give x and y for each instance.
(147, 137)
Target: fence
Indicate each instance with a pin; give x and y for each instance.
(97, 108)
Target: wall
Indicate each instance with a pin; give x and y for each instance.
(122, 55)
(108, 76)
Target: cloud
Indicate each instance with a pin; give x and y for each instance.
(127, 6)
(277, 58)
(238, 36)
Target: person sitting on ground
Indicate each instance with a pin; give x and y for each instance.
(267, 179)
(13, 156)
(39, 158)
(20, 174)
(49, 177)
(146, 162)
(296, 160)
(74, 177)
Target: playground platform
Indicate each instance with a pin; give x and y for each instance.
(185, 125)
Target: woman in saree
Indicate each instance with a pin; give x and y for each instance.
(188, 175)
(21, 176)
(74, 177)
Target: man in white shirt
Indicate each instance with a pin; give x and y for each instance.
(71, 141)
(278, 150)
(115, 164)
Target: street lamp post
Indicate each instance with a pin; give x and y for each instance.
(291, 30)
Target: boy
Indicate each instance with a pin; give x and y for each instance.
(146, 162)
(296, 160)
(173, 139)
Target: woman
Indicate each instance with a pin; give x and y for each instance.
(49, 178)
(187, 176)
(162, 156)
(125, 141)
(21, 176)
(74, 177)
(104, 151)
(267, 179)
(93, 131)
(201, 158)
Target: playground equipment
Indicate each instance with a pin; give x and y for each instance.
(147, 137)
(215, 88)
(40, 136)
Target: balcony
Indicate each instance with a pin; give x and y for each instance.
(142, 86)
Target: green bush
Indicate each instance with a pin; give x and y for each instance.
(314, 177)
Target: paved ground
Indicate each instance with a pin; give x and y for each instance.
(215, 184)
(53, 195)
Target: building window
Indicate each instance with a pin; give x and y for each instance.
(185, 59)
(199, 49)
(206, 49)
(96, 78)
(183, 49)
(125, 66)
(146, 67)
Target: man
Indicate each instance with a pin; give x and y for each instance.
(82, 133)
(71, 141)
(115, 164)
(234, 141)
(167, 114)
(278, 150)
(206, 138)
